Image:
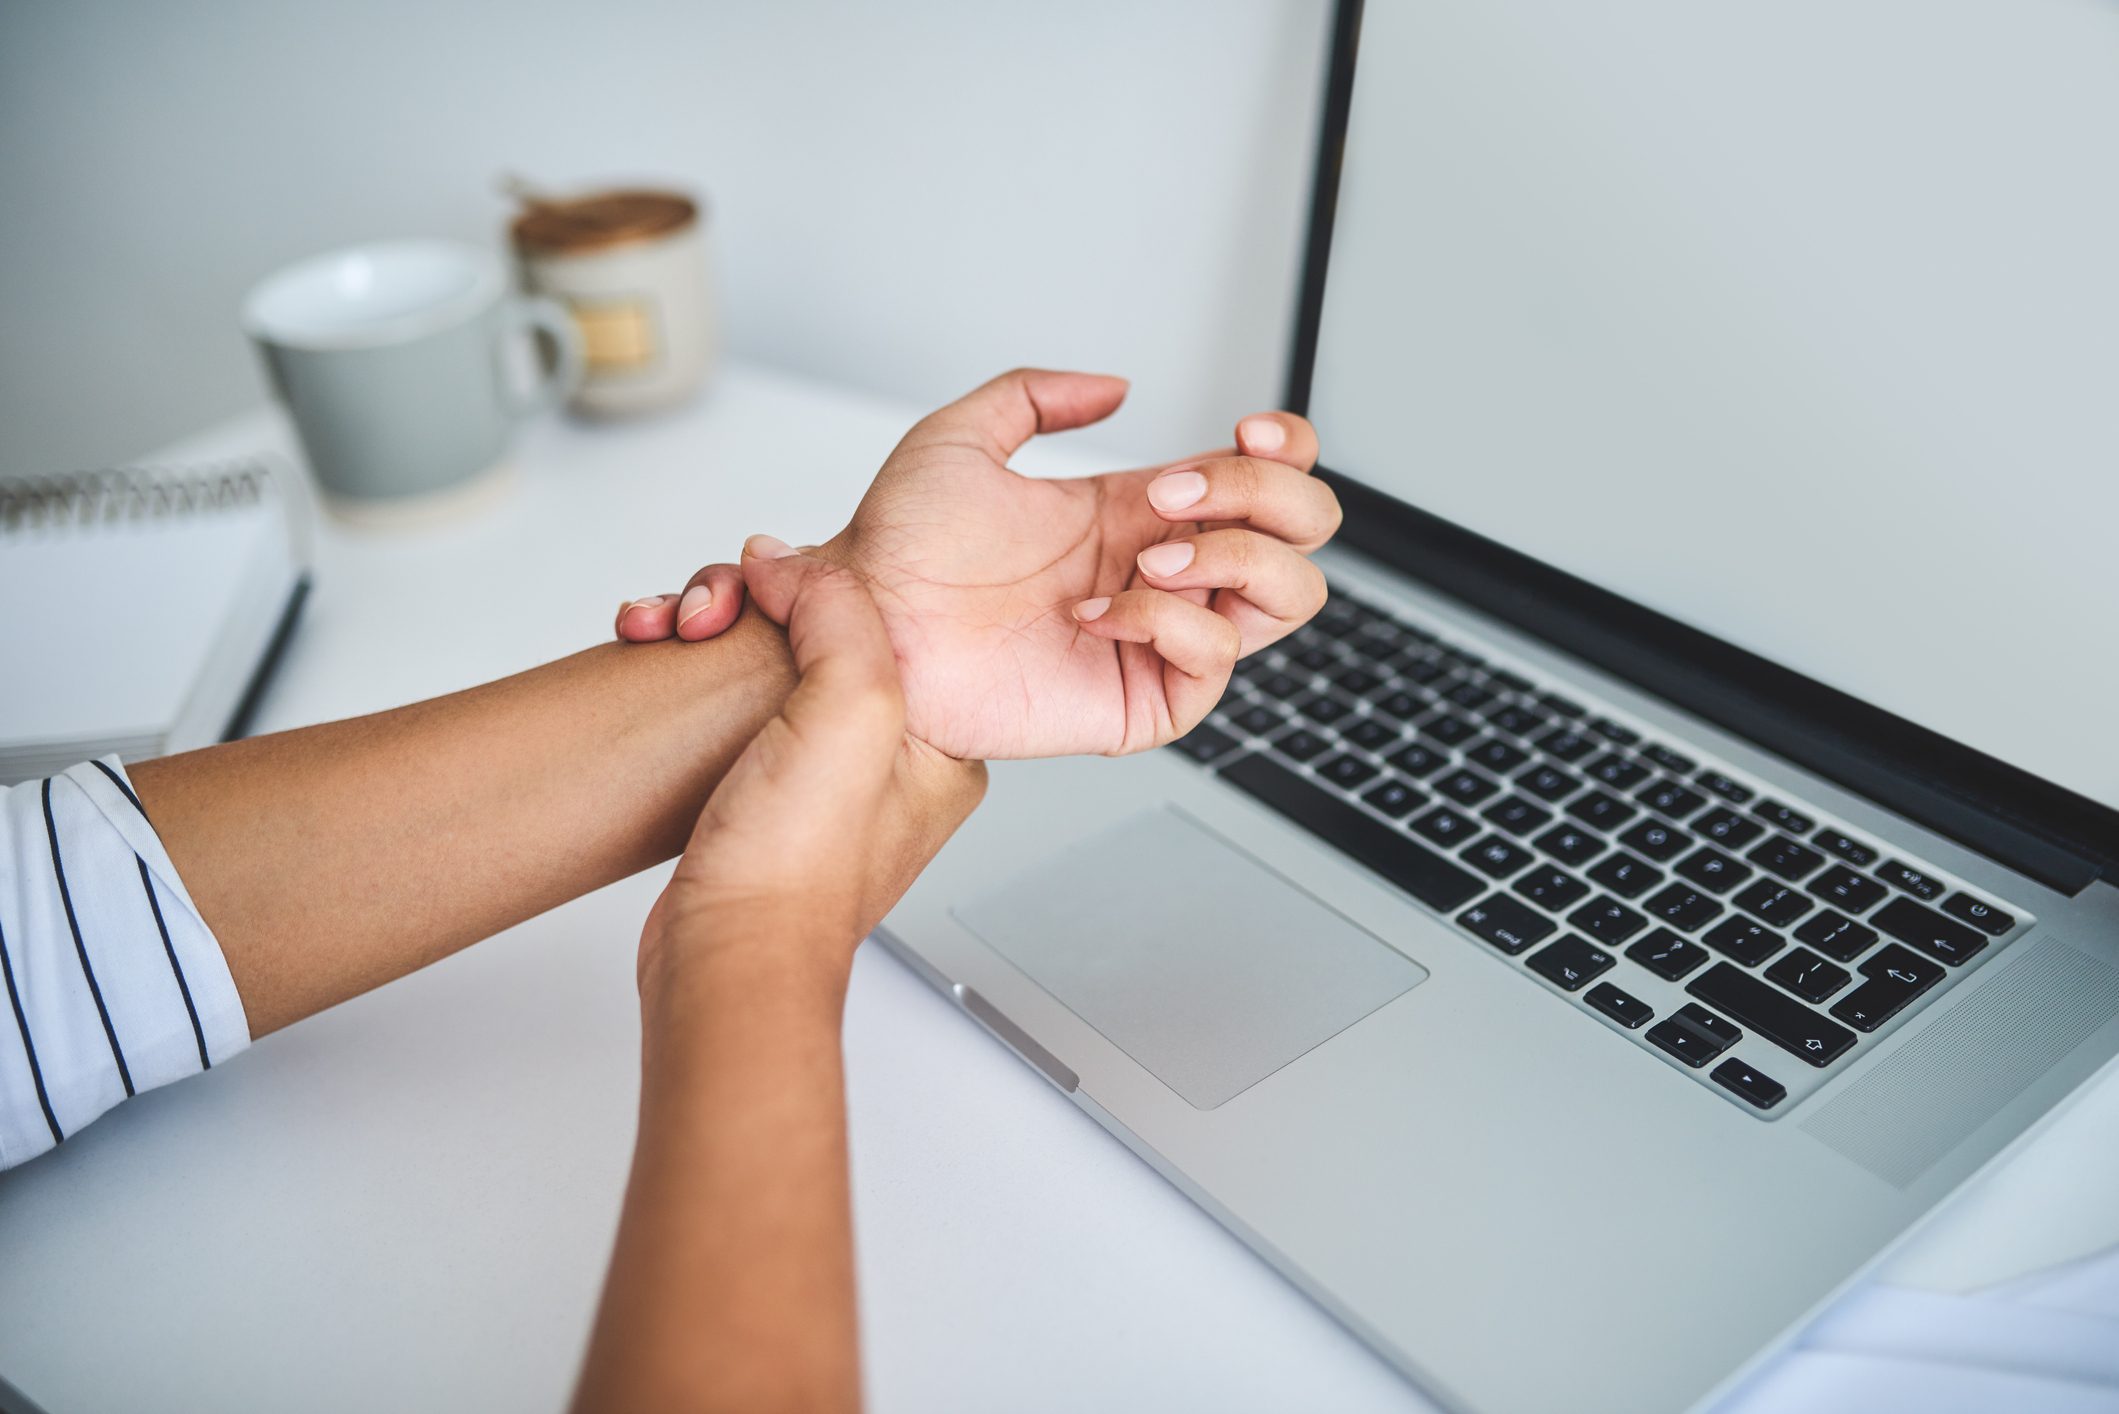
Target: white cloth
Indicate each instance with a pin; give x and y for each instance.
(113, 982)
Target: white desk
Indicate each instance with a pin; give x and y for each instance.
(406, 1203)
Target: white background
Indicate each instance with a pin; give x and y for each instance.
(906, 197)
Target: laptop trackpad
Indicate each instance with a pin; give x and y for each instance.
(1191, 956)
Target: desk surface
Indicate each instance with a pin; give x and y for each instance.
(406, 1203)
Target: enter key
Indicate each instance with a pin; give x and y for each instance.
(1896, 975)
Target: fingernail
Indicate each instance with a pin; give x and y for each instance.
(1174, 490)
(1092, 608)
(1262, 434)
(767, 547)
(1164, 560)
(696, 601)
(652, 601)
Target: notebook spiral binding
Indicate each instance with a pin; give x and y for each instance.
(128, 493)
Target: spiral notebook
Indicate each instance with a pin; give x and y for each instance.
(140, 610)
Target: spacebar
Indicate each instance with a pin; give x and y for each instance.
(1418, 870)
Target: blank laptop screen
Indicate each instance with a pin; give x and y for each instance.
(1795, 321)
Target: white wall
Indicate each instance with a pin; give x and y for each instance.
(905, 196)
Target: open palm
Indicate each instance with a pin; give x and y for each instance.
(1053, 617)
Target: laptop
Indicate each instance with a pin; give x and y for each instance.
(1683, 851)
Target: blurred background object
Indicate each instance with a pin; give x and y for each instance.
(630, 265)
(906, 198)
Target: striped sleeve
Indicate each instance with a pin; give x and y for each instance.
(113, 982)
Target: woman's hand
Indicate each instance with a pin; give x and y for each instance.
(832, 810)
(1051, 617)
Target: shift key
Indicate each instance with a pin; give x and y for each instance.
(1772, 1013)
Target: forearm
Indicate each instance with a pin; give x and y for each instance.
(335, 858)
(732, 1283)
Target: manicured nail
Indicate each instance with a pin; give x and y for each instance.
(767, 547)
(651, 602)
(1174, 490)
(1262, 434)
(1092, 608)
(1162, 561)
(696, 601)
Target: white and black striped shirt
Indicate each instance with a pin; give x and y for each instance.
(114, 983)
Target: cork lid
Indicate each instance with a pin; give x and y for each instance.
(601, 220)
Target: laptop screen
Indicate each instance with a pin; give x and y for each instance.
(1796, 322)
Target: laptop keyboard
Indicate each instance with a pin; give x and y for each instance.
(1741, 937)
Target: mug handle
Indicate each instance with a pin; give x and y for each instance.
(564, 366)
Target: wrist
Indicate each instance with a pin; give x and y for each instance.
(795, 966)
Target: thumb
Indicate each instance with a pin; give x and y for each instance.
(998, 417)
(848, 673)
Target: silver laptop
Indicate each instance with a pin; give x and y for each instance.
(1684, 850)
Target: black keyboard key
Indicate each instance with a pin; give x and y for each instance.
(1901, 875)
(1423, 671)
(1566, 707)
(1807, 975)
(1281, 685)
(1753, 1087)
(1773, 903)
(1444, 825)
(1359, 681)
(1516, 815)
(1322, 709)
(1412, 866)
(1658, 841)
(1551, 888)
(1667, 955)
(1784, 817)
(1623, 1007)
(1743, 940)
(1347, 771)
(1618, 772)
(1613, 731)
(1669, 760)
(1857, 893)
(1469, 694)
(1979, 913)
(1337, 621)
(1301, 744)
(1667, 797)
(1395, 798)
(1375, 646)
(1891, 979)
(1607, 920)
(1517, 721)
(1773, 1014)
(1465, 787)
(1570, 845)
(1548, 783)
(1496, 755)
(1847, 847)
(1683, 908)
(1370, 734)
(1727, 828)
(1713, 870)
(1606, 812)
(1316, 659)
(1625, 875)
(1403, 705)
(1570, 963)
(1204, 743)
(1724, 787)
(1258, 719)
(1566, 743)
(1694, 1035)
(1836, 935)
(1783, 856)
(1514, 682)
(1497, 856)
(1418, 760)
(1448, 730)
(1506, 924)
(1944, 939)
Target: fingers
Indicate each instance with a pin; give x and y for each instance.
(1198, 647)
(848, 698)
(1282, 437)
(708, 605)
(1261, 495)
(1271, 588)
(998, 417)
